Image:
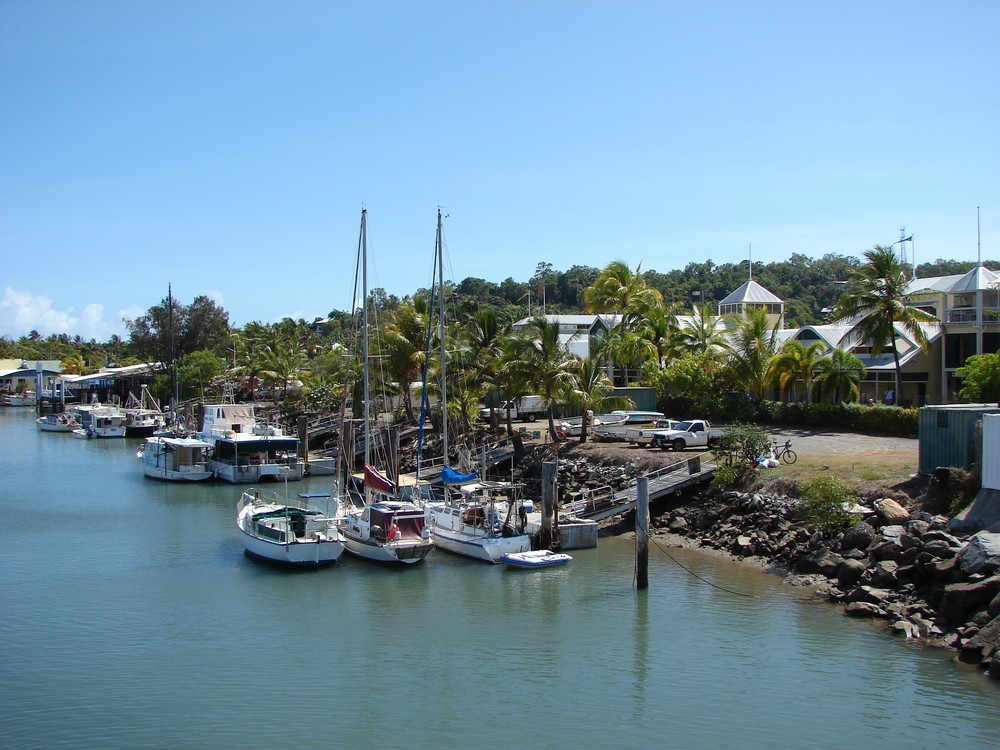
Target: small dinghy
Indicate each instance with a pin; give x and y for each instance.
(541, 558)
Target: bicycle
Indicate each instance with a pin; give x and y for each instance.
(785, 453)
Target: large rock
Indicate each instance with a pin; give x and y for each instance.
(863, 609)
(860, 536)
(983, 644)
(820, 561)
(962, 598)
(884, 574)
(850, 573)
(891, 512)
(981, 554)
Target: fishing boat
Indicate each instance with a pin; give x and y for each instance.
(382, 527)
(245, 451)
(541, 558)
(175, 459)
(57, 423)
(281, 530)
(144, 417)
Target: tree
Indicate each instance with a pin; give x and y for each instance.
(753, 342)
(877, 302)
(838, 374)
(539, 359)
(704, 333)
(592, 391)
(402, 341)
(619, 289)
(196, 370)
(980, 377)
(200, 326)
(797, 362)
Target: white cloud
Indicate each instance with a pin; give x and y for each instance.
(22, 312)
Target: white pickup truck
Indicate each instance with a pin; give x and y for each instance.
(692, 433)
(526, 408)
(644, 435)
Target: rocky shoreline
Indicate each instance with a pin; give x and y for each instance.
(905, 567)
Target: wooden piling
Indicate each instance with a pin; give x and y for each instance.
(642, 534)
(548, 502)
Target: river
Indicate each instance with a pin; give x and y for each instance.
(131, 618)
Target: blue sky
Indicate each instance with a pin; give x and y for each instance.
(227, 147)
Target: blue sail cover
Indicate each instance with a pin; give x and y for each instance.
(450, 476)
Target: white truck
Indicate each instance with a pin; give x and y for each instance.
(526, 408)
(644, 435)
(691, 433)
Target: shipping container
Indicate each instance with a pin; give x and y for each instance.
(951, 435)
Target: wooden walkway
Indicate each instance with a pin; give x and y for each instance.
(604, 502)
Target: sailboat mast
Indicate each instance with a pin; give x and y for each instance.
(364, 340)
(444, 378)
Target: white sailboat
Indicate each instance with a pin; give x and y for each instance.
(285, 531)
(383, 528)
(482, 520)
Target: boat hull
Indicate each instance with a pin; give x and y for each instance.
(46, 426)
(255, 473)
(406, 552)
(308, 553)
(185, 474)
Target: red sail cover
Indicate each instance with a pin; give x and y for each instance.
(376, 481)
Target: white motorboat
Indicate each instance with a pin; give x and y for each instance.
(482, 520)
(102, 422)
(175, 459)
(245, 451)
(279, 530)
(572, 426)
(57, 423)
(541, 558)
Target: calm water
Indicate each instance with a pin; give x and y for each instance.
(130, 618)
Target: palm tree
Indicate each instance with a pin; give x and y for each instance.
(540, 360)
(73, 365)
(704, 334)
(797, 362)
(660, 327)
(841, 372)
(877, 302)
(484, 336)
(593, 391)
(753, 342)
(618, 289)
(402, 342)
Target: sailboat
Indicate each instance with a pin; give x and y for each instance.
(282, 530)
(383, 528)
(482, 520)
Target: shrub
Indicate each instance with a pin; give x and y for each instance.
(822, 503)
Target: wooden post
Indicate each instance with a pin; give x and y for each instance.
(642, 534)
(302, 424)
(548, 502)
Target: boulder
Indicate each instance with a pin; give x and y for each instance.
(860, 536)
(960, 599)
(862, 609)
(939, 548)
(981, 554)
(984, 643)
(820, 561)
(867, 594)
(850, 572)
(884, 574)
(917, 528)
(891, 512)
(905, 628)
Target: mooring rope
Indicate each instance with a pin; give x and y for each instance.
(691, 572)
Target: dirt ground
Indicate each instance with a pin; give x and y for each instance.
(862, 459)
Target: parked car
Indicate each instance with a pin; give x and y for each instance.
(692, 433)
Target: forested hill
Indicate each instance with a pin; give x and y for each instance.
(807, 285)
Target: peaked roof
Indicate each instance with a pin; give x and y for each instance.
(751, 292)
(979, 277)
